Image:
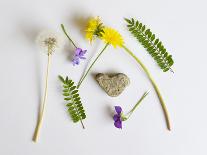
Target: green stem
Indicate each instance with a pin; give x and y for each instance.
(84, 76)
(154, 85)
(172, 70)
(63, 28)
(82, 123)
(138, 103)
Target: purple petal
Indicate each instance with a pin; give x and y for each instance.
(82, 53)
(75, 61)
(82, 57)
(78, 51)
(118, 109)
(117, 117)
(118, 124)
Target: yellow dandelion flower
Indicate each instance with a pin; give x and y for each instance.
(94, 28)
(113, 37)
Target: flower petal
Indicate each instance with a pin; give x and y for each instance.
(82, 57)
(118, 124)
(82, 53)
(78, 51)
(116, 117)
(75, 61)
(118, 109)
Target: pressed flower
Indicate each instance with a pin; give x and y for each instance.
(113, 37)
(119, 116)
(94, 28)
(79, 54)
(49, 42)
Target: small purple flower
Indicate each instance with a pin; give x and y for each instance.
(79, 54)
(117, 117)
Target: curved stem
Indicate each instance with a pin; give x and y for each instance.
(63, 28)
(84, 76)
(42, 108)
(154, 85)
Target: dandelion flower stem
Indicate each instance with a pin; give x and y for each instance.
(42, 108)
(164, 108)
(84, 76)
(63, 28)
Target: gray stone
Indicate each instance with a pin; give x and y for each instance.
(113, 84)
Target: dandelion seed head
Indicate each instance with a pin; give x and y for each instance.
(50, 41)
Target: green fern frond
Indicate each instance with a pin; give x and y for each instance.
(152, 44)
(73, 100)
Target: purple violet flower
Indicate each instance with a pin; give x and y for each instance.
(117, 117)
(79, 54)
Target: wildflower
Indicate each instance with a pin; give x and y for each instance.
(113, 37)
(49, 42)
(94, 29)
(79, 54)
(119, 116)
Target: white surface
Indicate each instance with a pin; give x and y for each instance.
(181, 25)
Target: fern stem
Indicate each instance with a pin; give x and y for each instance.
(164, 108)
(172, 70)
(42, 108)
(63, 28)
(84, 76)
(82, 123)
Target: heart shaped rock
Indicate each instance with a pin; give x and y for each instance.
(113, 84)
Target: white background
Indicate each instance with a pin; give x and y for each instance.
(180, 24)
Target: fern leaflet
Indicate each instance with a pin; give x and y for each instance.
(152, 44)
(74, 104)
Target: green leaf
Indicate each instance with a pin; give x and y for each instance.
(76, 95)
(72, 88)
(67, 99)
(132, 21)
(71, 84)
(75, 107)
(153, 37)
(137, 23)
(61, 79)
(152, 44)
(66, 94)
(77, 99)
(156, 41)
(66, 80)
(143, 28)
(127, 20)
(74, 92)
(65, 90)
